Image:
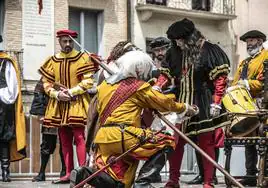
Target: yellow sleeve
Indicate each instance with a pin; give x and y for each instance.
(85, 84)
(149, 98)
(48, 87)
(85, 72)
(48, 78)
(85, 66)
(237, 74)
(256, 84)
(46, 70)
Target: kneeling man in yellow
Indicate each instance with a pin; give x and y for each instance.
(12, 122)
(121, 99)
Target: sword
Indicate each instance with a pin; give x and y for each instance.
(184, 137)
(103, 65)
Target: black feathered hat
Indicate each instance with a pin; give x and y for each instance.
(253, 34)
(159, 42)
(180, 29)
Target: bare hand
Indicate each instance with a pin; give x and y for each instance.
(192, 110)
(63, 96)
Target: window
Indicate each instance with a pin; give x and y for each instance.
(89, 25)
(2, 16)
(201, 5)
(157, 2)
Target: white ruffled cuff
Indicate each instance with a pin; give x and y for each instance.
(216, 106)
(247, 84)
(157, 88)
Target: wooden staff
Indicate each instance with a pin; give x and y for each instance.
(204, 154)
(183, 136)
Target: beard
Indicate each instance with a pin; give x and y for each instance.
(68, 49)
(160, 57)
(253, 49)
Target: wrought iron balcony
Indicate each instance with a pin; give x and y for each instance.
(206, 9)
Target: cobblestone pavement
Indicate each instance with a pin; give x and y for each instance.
(29, 184)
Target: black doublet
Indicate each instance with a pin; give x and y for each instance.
(195, 84)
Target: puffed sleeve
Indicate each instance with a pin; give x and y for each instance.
(150, 98)
(216, 60)
(86, 65)
(48, 78)
(85, 72)
(46, 70)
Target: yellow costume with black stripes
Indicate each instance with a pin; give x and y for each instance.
(73, 71)
(254, 73)
(109, 138)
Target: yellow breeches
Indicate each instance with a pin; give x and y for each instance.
(125, 169)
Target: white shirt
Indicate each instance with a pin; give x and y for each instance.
(9, 94)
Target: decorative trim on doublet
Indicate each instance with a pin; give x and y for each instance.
(218, 70)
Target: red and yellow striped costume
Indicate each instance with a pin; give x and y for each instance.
(109, 138)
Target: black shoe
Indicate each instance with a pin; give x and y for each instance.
(5, 170)
(156, 179)
(62, 172)
(103, 180)
(215, 180)
(40, 177)
(142, 185)
(248, 182)
(62, 180)
(5, 176)
(197, 180)
(151, 168)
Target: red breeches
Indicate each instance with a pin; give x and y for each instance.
(67, 135)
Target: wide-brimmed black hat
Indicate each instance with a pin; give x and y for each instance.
(253, 34)
(159, 42)
(180, 29)
(1, 38)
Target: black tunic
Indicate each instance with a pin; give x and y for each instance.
(195, 83)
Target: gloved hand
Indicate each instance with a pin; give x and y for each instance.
(215, 110)
(244, 83)
(192, 110)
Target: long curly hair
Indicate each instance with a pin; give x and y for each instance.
(120, 49)
(192, 52)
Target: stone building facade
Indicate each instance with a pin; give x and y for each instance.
(103, 23)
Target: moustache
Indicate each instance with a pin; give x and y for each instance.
(160, 57)
(251, 47)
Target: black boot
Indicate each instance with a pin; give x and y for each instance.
(63, 166)
(5, 170)
(157, 178)
(41, 176)
(251, 162)
(152, 167)
(199, 179)
(249, 181)
(217, 154)
(5, 162)
(102, 180)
